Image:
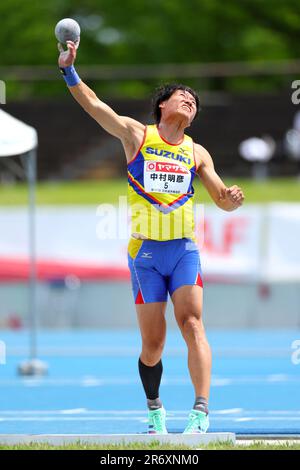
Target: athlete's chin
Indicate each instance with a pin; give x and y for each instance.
(184, 116)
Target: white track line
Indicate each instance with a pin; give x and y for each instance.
(95, 381)
(222, 413)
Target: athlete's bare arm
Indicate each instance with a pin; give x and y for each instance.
(128, 130)
(227, 199)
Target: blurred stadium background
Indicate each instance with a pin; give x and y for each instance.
(244, 60)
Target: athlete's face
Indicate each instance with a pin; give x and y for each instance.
(181, 103)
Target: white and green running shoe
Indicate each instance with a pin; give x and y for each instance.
(157, 421)
(198, 423)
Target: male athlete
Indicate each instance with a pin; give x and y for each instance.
(162, 254)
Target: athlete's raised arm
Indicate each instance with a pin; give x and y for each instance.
(119, 126)
(227, 199)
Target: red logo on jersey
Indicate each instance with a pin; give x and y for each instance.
(166, 167)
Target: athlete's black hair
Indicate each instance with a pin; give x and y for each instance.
(164, 92)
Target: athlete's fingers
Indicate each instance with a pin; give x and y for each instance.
(71, 49)
(71, 45)
(236, 196)
(60, 47)
(77, 43)
(234, 192)
(241, 197)
(233, 189)
(228, 192)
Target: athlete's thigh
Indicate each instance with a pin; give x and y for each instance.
(187, 271)
(148, 284)
(186, 286)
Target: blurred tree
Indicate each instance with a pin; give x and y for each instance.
(154, 31)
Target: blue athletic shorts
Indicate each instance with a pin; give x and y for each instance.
(159, 267)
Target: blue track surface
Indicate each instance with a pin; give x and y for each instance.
(93, 384)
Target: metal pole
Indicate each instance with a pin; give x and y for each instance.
(32, 366)
(31, 175)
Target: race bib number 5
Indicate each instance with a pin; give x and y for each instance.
(169, 178)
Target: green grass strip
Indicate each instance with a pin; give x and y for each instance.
(108, 191)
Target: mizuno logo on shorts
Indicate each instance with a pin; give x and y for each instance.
(146, 255)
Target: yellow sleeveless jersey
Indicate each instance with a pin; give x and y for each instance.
(160, 190)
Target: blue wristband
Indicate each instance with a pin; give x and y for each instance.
(70, 75)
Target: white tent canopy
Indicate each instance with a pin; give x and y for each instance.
(16, 138)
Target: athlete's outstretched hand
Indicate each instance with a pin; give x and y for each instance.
(67, 58)
(233, 194)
